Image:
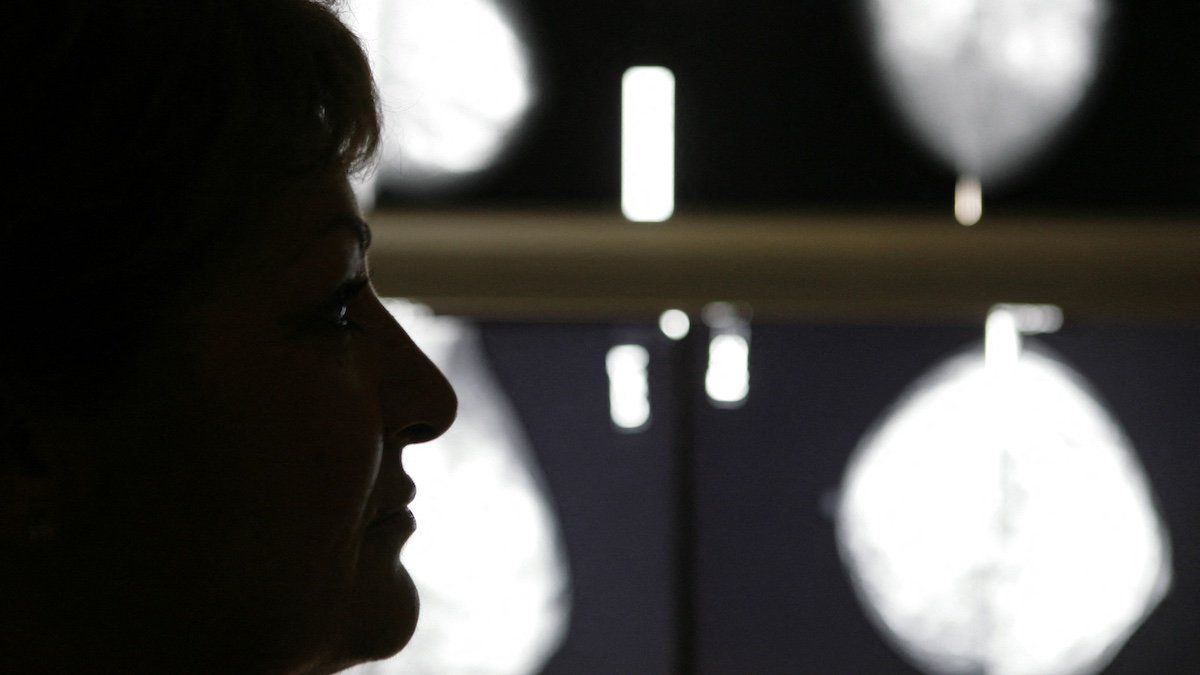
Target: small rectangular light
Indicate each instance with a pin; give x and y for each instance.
(648, 144)
(727, 379)
(628, 386)
(968, 201)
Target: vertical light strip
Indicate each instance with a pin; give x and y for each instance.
(968, 201)
(648, 144)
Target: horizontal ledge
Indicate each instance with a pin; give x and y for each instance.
(598, 266)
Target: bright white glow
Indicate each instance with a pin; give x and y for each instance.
(454, 79)
(648, 144)
(986, 83)
(674, 323)
(628, 386)
(1001, 342)
(968, 201)
(487, 558)
(1004, 531)
(727, 379)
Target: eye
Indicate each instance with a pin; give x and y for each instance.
(339, 313)
(343, 321)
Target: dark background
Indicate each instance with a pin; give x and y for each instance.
(767, 590)
(779, 106)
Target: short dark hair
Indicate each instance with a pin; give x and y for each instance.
(139, 131)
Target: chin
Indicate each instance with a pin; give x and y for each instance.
(385, 618)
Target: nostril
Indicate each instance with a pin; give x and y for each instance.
(420, 433)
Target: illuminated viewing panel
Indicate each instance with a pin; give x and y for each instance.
(997, 520)
(454, 79)
(986, 84)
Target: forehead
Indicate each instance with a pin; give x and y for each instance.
(281, 224)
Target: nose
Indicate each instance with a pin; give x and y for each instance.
(419, 404)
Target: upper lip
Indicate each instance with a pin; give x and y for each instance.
(408, 491)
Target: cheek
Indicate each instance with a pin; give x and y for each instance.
(301, 437)
(243, 487)
(315, 432)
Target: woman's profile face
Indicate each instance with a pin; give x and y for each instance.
(252, 499)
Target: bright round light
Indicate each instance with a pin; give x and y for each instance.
(674, 324)
(454, 79)
(1002, 524)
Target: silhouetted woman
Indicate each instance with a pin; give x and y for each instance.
(203, 403)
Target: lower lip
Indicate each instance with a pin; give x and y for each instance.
(401, 521)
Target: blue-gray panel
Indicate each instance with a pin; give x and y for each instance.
(613, 491)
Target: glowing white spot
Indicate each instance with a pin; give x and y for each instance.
(1006, 531)
(454, 81)
(968, 201)
(628, 386)
(674, 324)
(727, 379)
(480, 498)
(648, 144)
